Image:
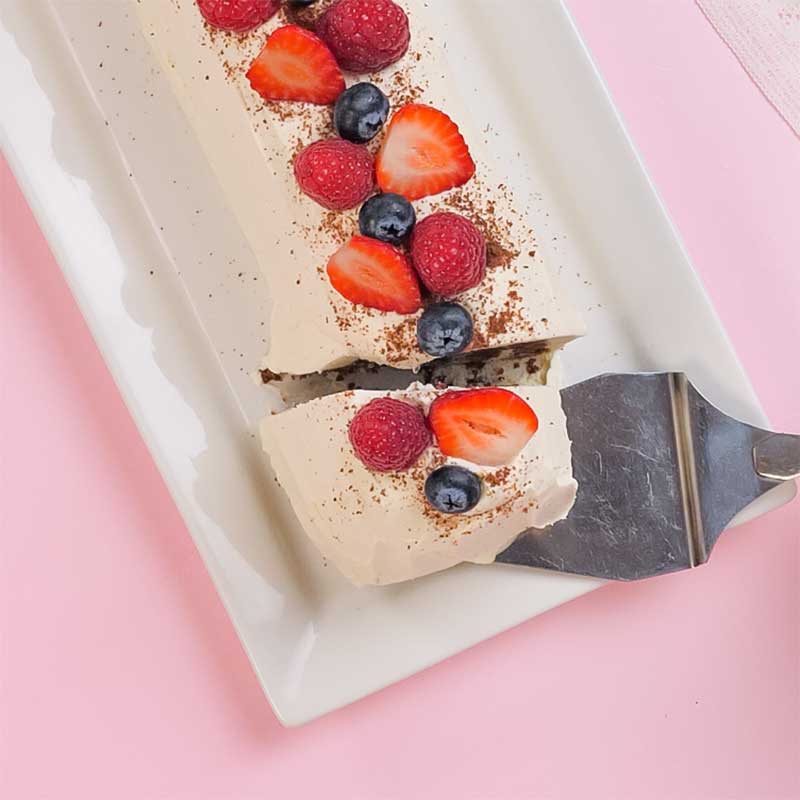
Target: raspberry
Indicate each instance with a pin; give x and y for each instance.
(338, 174)
(237, 16)
(389, 435)
(365, 35)
(449, 253)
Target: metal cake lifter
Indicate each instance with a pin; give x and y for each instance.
(661, 473)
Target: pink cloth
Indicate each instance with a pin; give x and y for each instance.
(120, 675)
(765, 36)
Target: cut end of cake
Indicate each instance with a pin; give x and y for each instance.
(531, 365)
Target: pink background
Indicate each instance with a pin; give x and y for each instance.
(122, 678)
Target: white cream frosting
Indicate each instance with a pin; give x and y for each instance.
(377, 528)
(251, 147)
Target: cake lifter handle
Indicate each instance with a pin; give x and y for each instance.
(777, 458)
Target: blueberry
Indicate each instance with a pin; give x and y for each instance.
(387, 217)
(444, 329)
(301, 2)
(453, 490)
(360, 112)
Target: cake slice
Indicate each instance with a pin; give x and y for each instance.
(392, 486)
(318, 319)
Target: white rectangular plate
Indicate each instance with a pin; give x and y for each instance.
(174, 299)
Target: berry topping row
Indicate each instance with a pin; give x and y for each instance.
(445, 253)
(487, 427)
(396, 263)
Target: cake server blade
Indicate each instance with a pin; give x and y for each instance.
(661, 473)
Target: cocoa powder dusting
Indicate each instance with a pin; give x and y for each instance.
(401, 340)
(402, 88)
(338, 227)
(497, 478)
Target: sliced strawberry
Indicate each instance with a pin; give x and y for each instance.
(484, 426)
(376, 275)
(423, 153)
(296, 65)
